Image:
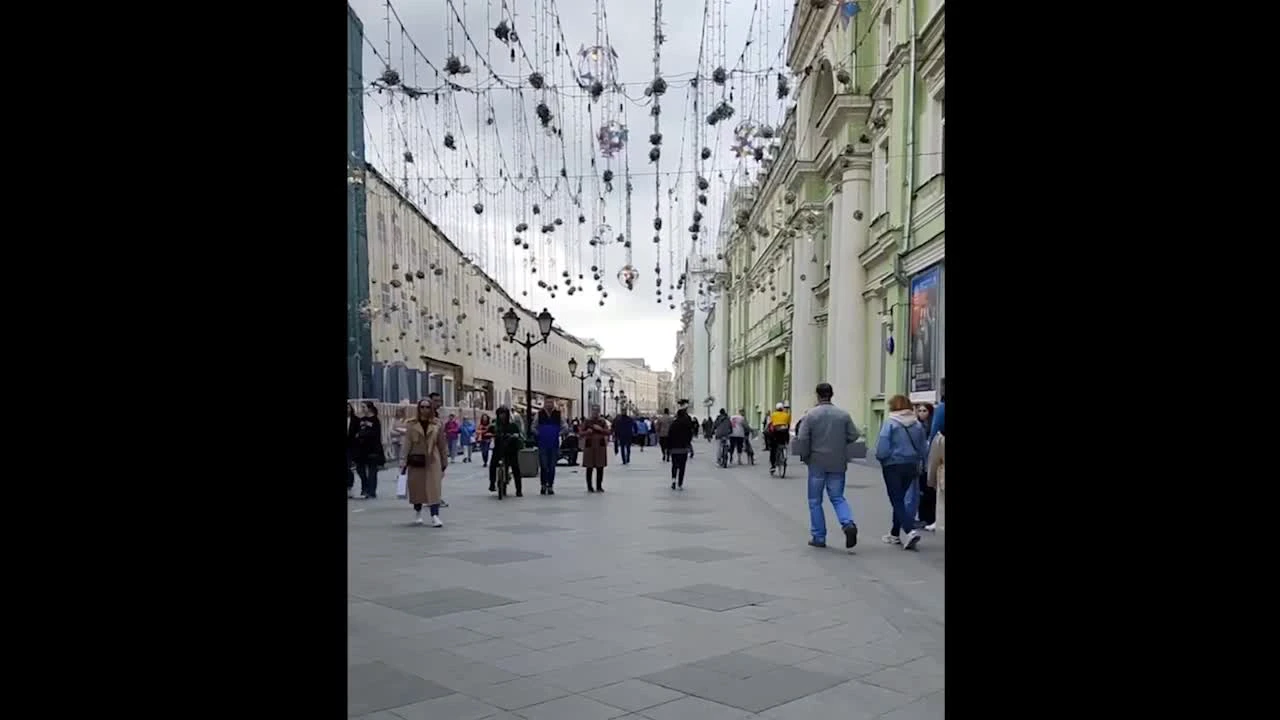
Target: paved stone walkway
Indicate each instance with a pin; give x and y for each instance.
(643, 602)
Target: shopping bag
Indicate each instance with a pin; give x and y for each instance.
(402, 486)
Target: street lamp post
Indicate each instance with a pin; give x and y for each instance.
(613, 397)
(600, 395)
(582, 382)
(511, 324)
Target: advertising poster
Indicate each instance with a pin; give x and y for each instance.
(924, 329)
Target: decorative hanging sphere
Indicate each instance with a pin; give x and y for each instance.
(611, 136)
(597, 64)
(628, 276)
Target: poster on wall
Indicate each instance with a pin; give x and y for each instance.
(924, 329)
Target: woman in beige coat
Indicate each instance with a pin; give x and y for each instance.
(937, 468)
(594, 435)
(426, 455)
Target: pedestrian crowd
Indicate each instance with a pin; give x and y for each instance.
(910, 450)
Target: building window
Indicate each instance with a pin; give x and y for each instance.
(446, 394)
(884, 341)
(881, 161)
(942, 133)
(886, 36)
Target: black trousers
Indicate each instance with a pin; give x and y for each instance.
(511, 460)
(678, 463)
(599, 473)
(666, 449)
(928, 501)
(368, 472)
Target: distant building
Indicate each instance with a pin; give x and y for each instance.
(359, 339)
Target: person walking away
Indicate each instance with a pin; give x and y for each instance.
(708, 427)
(900, 451)
(937, 469)
(777, 433)
(825, 444)
(641, 432)
(399, 420)
(484, 438)
(737, 433)
(353, 424)
(663, 427)
(547, 430)
(425, 460)
(595, 448)
(722, 431)
(452, 430)
(624, 429)
(507, 441)
(467, 436)
(370, 455)
(926, 496)
(679, 445)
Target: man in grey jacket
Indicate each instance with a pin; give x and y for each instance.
(825, 443)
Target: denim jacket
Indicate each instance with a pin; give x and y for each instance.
(902, 441)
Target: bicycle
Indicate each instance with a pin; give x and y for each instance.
(504, 477)
(723, 458)
(778, 459)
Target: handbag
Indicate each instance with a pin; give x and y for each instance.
(920, 464)
(416, 460)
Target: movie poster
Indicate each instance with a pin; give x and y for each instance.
(924, 329)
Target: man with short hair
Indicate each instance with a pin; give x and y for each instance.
(663, 426)
(825, 443)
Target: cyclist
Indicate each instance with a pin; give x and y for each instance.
(777, 434)
(722, 430)
(507, 441)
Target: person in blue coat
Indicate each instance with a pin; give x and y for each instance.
(901, 450)
(548, 424)
(467, 435)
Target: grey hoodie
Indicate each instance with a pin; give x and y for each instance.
(826, 437)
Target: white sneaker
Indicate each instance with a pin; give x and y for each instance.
(891, 540)
(435, 521)
(913, 539)
(931, 527)
(417, 518)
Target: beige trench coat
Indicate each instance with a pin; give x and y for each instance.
(937, 463)
(424, 483)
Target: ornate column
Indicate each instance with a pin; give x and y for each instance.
(804, 333)
(846, 319)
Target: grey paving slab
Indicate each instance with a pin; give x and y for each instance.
(633, 695)
(572, 707)
(376, 686)
(497, 556)
(640, 603)
(699, 554)
(449, 707)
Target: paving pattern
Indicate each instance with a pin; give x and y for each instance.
(641, 602)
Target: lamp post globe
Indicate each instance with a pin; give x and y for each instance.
(573, 366)
(591, 366)
(545, 320)
(511, 323)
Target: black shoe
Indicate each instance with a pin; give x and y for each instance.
(590, 488)
(542, 490)
(492, 488)
(673, 484)
(816, 543)
(551, 491)
(850, 535)
(519, 493)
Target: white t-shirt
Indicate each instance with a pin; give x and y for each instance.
(737, 425)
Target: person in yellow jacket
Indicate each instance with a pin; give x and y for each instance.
(778, 432)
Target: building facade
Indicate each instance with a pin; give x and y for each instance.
(638, 380)
(849, 219)
(666, 391)
(359, 339)
(436, 320)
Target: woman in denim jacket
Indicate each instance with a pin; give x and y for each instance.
(901, 451)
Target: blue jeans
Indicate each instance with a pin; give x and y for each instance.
(625, 448)
(453, 446)
(833, 483)
(484, 451)
(898, 482)
(547, 457)
(911, 500)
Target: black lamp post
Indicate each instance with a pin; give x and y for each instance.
(613, 397)
(600, 395)
(582, 381)
(511, 324)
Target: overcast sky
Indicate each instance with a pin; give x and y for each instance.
(631, 323)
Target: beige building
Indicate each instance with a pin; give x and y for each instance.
(435, 319)
(634, 376)
(666, 391)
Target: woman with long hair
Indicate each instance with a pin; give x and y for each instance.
(484, 439)
(426, 457)
(595, 449)
(928, 496)
(369, 453)
(901, 450)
